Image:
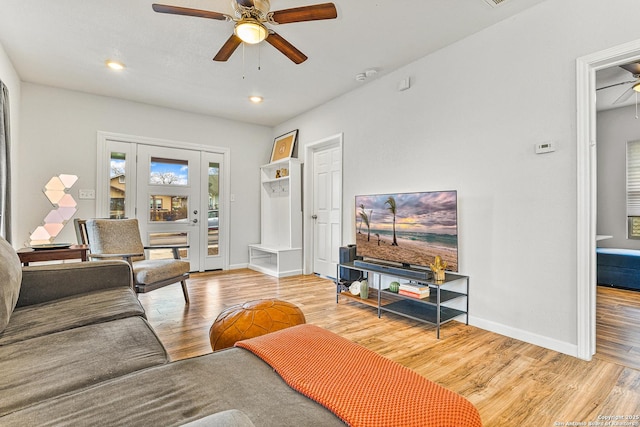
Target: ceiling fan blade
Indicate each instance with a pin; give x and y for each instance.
(176, 10)
(633, 68)
(615, 84)
(306, 13)
(289, 50)
(228, 48)
(626, 95)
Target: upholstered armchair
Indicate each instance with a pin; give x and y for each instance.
(120, 238)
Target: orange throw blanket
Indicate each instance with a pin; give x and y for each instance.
(361, 387)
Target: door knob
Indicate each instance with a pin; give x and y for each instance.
(314, 216)
(195, 221)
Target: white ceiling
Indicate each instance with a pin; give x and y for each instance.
(65, 43)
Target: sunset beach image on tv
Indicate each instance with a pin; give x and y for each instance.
(408, 228)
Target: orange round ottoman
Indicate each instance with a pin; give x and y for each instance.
(252, 319)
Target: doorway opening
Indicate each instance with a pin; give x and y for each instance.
(177, 191)
(586, 217)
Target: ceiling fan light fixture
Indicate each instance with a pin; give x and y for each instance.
(115, 65)
(250, 31)
(636, 87)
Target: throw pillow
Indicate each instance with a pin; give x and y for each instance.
(10, 280)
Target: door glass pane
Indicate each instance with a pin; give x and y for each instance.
(163, 208)
(117, 185)
(168, 172)
(212, 214)
(164, 239)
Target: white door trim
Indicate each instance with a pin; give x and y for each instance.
(586, 216)
(307, 221)
(102, 175)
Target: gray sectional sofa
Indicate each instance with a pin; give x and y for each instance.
(76, 349)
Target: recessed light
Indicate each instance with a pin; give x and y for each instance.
(115, 65)
(255, 99)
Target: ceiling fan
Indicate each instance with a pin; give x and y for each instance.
(634, 69)
(250, 19)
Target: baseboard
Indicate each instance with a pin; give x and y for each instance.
(238, 266)
(526, 336)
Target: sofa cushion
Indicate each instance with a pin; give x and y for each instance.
(71, 312)
(45, 283)
(53, 365)
(154, 270)
(10, 278)
(180, 392)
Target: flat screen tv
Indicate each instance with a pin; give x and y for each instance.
(408, 228)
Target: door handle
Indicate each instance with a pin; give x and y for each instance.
(195, 221)
(314, 216)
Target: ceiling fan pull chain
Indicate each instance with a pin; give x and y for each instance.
(636, 105)
(259, 57)
(243, 61)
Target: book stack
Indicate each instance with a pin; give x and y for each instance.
(415, 290)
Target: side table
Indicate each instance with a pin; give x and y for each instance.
(28, 255)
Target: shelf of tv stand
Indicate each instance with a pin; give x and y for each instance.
(372, 301)
(420, 309)
(414, 309)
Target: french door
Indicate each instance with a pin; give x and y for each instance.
(168, 205)
(178, 196)
(212, 167)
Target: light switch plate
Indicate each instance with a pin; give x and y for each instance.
(86, 194)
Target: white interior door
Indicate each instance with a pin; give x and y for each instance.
(327, 203)
(168, 200)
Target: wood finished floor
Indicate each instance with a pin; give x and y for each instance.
(512, 383)
(618, 326)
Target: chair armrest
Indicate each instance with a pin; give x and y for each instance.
(44, 283)
(110, 256)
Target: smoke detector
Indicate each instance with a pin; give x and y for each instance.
(360, 77)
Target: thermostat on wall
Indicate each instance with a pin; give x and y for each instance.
(545, 147)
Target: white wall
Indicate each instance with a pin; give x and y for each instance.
(10, 78)
(470, 122)
(58, 135)
(615, 128)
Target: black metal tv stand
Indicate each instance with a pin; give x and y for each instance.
(429, 309)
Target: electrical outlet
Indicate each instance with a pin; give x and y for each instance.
(87, 194)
